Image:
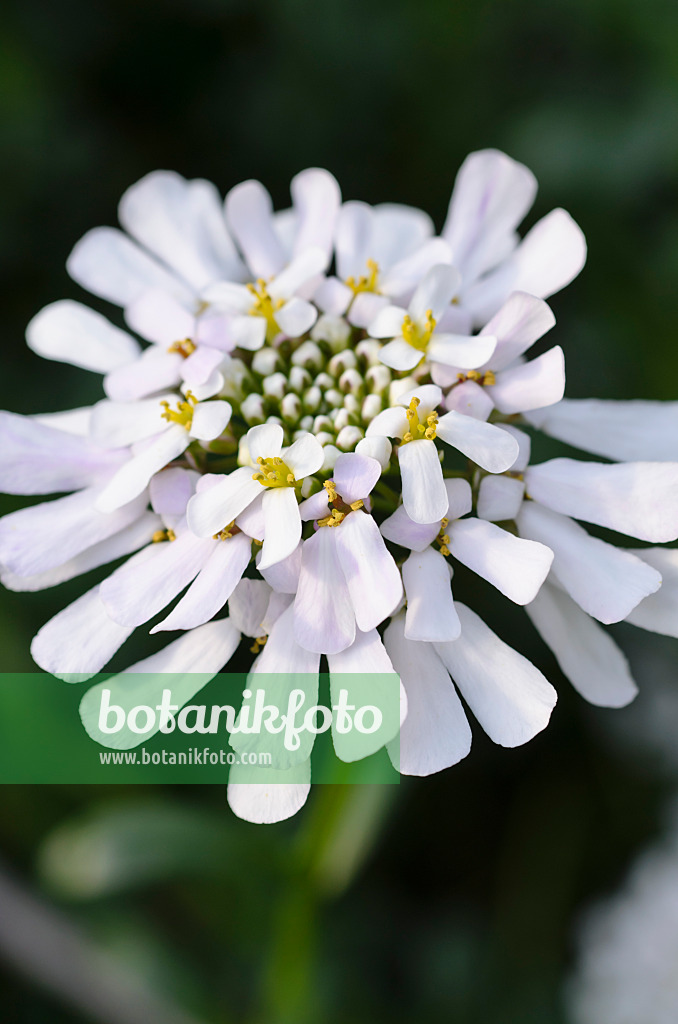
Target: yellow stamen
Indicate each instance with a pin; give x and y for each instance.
(274, 473)
(485, 380)
(185, 348)
(416, 335)
(258, 644)
(161, 535)
(339, 509)
(419, 430)
(227, 532)
(266, 307)
(366, 282)
(443, 539)
(183, 414)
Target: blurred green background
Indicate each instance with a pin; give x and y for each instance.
(448, 899)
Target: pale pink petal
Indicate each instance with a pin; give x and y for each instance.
(355, 476)
(533, 385)
(249, 213)
(371, 575)
(431, 615)
(210, 419)
(489, 446)
(133, 478)
(400, 529)
(324, 620)
(521, 321)
(211, 510)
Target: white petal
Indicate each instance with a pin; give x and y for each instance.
(500, 498)
(36, 539)
(533, 385)
(605, 581)
(371, 574)
(424, 494)
(267, 795)
(332, 296)
(465, 353)
(524, 444)
(71, 421)
(459, 497)
(184, 667)
(378, 448)
(39, 459)
(468, 398)
(549, 257)
(265, 441)
(489, 446)
(436, 733)
(304, 457)
(148, 581)
(171, 490)
(301, 269)
(248, 606)
(249, 213)
(516, 567)
(211, 510)
(586, 653)
(154, 371)
(158, 317)
(316, 196)
(355, 476)
(120, 424)
(111, 265)
(315, 507)
(429, 395)
(404, 276)
(658, 613)
(491, 196)
(625, 431)
(283, 656)
(364, 671)
(431, 613)
(71, 333)
(521, 321)
(509, 696)
(400, 355)
(181, 222)
(212, 587)
(296, 317)
(389, 423)
(210, 419)
(365, 308)
(639, 499)
(133, 478)
(79, 640)
(248, 332)
(138, 534)
(324, 620)
(435, 292)
(200, 365)
(402, 530)
(388, 323)
(282, 525)
(284, 575)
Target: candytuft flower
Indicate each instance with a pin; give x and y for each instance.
(315, 416)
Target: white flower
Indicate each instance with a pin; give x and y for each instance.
(414, 331)
(416, 423)
(491, 196)
(348, 580)
(280, 472)
(382, 252)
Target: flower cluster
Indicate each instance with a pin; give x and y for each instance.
(332, 408)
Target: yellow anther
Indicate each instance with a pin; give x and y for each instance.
(485, 380)
(185, 348)
(331, 489)
(419, 430)
(183, 414)
(366, 282)
(258, 644)
(266, 307)
(355, 505)
(227, 532)
(340, 509)
(444, 522)
(274, 473)
(416, 335)
(162, 535)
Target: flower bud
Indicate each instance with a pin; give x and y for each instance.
(331, 453)
(334, 398)
(345, 360)
(371, 407)
(275, 386)
(378, 378)
(291, 408)
(313, 399)
(299, 379)
(265, 362)
(324, 381)
(324, 437)
(253, 410)
(348, 437)
(321, 423)
(352, 404)
(351, 380)
(332, 329)
(309, 356)
(368, 350)
(376, 447)
(340, 419)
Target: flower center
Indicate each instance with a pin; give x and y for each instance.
(185, 348)
(418, 335)
(486, 379)
(274, 473)
(443, 539)
(266, 307)
(183, 414)
(339, 508)
(366, 282)
(419, 430)
(227, 532)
